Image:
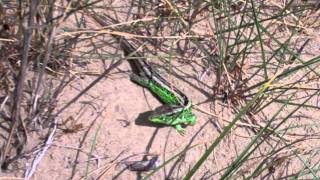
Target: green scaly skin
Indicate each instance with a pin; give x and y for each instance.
(185, 117)
(177, 109)
(166, 96)
(178, 119)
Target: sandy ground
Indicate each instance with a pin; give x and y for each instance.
(109, 111)
(106, 124)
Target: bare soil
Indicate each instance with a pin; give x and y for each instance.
(103, 128)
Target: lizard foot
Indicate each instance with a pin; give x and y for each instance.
(180, 129)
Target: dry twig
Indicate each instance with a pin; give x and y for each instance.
(15, 117)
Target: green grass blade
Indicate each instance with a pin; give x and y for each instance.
(227, 129)
(168, 161)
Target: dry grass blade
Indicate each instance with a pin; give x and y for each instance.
(20, 85)
(41, 73)
(29, 172)
(92, 84)
(250, 68)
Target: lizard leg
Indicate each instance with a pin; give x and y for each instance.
(180, 129)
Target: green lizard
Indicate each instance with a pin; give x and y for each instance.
(177, 108)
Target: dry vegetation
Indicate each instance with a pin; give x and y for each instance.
(251, 69)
